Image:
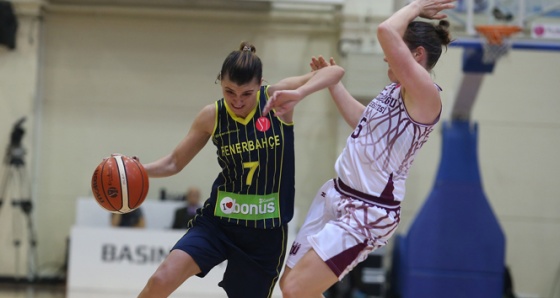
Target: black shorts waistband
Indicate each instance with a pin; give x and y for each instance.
(347, 190)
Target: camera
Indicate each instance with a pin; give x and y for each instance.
(15, 152)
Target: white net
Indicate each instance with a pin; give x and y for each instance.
(493, 52)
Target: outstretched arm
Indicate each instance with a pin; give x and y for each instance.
(283, 100)
(415, 79)
(350, 109)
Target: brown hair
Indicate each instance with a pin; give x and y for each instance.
(429, 36)
(242, 66)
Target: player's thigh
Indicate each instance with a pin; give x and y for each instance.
(203, 242)
(285, 274)
(244, 279)
(254, 266)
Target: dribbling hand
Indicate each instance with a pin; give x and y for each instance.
(119, 154)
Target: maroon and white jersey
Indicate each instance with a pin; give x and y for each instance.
(380, 151)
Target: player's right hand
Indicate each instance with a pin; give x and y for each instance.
(318, 63)
(282, 102)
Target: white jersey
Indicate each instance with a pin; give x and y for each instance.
(380, 151)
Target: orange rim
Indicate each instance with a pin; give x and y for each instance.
(496, 33)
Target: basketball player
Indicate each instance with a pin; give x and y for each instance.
(359, 211)
(252, 200)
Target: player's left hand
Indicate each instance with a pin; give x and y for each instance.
(431, 9)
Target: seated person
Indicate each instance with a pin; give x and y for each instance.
(184, 214)
(133, 219)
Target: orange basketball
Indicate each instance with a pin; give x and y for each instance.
(120, 184)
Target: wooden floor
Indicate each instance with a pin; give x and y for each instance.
(15, 290)
(28, 290)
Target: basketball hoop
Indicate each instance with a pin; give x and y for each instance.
(496, 41)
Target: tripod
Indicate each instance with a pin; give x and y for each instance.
(15, 178)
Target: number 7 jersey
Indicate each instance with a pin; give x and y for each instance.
(380, 151)
(255, 187)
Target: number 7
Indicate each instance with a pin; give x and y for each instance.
(252, 165)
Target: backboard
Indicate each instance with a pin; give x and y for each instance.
(526, 14)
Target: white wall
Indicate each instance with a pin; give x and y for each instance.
(132, 83)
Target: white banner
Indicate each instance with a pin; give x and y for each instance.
(121, 260)
(117, 262)
(547, 31)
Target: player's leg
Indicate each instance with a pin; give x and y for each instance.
(359, 227)
(310, 277)
(177, 267)
(197, 252)
(255, 262)
(321, 211)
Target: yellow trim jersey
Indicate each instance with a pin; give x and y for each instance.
(255, 187)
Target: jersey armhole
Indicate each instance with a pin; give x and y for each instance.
(215, 118)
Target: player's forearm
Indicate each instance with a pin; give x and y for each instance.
(398, 22)
(350, 109)
(321, 79)
(163, 167)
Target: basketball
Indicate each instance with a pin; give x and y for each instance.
(120, 184)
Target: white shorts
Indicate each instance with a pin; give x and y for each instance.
(343, 226)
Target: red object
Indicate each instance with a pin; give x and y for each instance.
(262, 124)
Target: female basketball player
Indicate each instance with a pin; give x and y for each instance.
(360, 210)
(245, 219)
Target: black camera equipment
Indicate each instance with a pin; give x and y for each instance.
(16, 180)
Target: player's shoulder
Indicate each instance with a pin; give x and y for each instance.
(205, 120)
(208, 110)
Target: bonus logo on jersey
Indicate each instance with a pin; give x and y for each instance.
(262, 124)
(249, 207)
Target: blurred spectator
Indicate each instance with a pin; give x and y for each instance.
(133, 219)
(184, 214)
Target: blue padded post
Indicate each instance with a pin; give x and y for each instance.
(472, 61)
(455, 246)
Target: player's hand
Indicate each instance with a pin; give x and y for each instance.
(318, 63)
(282, 102)
(431, 9)
(113, 154)
(119, 154)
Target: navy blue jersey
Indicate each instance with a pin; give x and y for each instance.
(256, 154)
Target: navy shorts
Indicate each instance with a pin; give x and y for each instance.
(254, 256)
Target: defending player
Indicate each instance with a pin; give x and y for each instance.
(359, 211)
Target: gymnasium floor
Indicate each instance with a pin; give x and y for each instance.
(10, 290)
(58, 290)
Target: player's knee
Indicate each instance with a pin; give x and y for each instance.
(290, 287)
(282, 281)
(156, 282)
